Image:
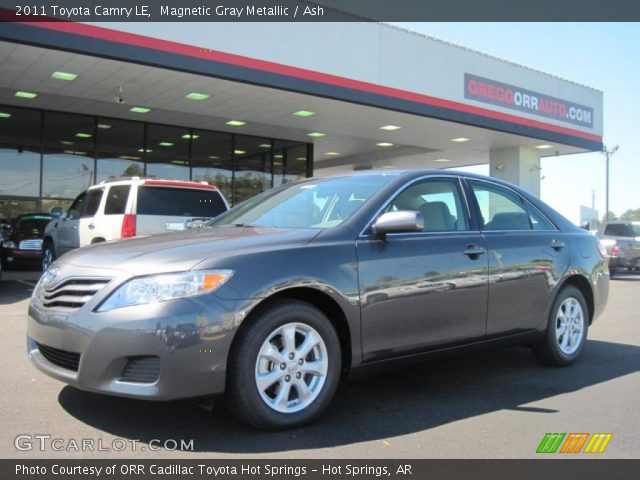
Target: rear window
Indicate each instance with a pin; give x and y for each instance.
(622, 230)
(117, 200)
(179, 202)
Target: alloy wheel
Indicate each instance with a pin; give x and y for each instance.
(291, 368)
(569, 325)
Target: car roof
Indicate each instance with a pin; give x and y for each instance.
(158, 182)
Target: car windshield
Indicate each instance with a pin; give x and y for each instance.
(32, 225)
(320, 203)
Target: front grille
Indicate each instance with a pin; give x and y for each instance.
(73, 293)
(35, 244)
(141, 370)
(61, 358)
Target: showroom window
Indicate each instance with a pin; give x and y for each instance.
(253, 166)
(118, 149)
(211, 160)
(167, 152)
(50, 157)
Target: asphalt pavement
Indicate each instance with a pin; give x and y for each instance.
(492, 404)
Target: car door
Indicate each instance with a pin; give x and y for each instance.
(424, 289)
(527, 255)
(88, 221)
(66, 228)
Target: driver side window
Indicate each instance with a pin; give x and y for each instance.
(76, 208)
(439, 201)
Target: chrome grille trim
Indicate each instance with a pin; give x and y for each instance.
(35, 244)
(72, 293)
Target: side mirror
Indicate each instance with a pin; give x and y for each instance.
(56, 212)
(401, 221)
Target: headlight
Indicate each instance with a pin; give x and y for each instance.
(9, 244)
(159, 288)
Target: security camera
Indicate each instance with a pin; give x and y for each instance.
(119, 97)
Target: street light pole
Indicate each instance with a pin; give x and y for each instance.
(608, 153)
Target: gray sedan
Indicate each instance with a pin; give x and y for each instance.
(277, 299)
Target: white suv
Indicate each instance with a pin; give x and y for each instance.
(129, 208)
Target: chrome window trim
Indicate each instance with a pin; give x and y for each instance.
(409, 184)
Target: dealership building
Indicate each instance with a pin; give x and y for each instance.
(249, 106)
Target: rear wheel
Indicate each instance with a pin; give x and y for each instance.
(48, 256)
(285, 366)
(566, 332)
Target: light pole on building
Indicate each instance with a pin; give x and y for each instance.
(608, 153)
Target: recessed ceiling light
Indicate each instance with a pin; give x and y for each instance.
(69, 77)
(188, 136)
(239, 152)
(66, 142)
(304, 113)
(460, 140)
(316, 134)
(104, 126)
(180, 162)
(543, 147)
(236, 123)
(442, 160)
(74, 152)
(84, 135)
(332, 154)
(139, 109)
(214, 157)
(127, 157)
(301, 158)
(390, 128)
(265, 145)
(29, 95)
(5, 115)
(145, 150)
(165, 144)
(384, 144)
(197, 96)
(278, 156)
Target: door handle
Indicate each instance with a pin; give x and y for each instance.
(557, 245)
(473, 251)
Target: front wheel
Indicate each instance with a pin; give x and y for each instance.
(48, 256)
(566, 332)
(285, 366)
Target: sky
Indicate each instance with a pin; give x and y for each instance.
(605, 56)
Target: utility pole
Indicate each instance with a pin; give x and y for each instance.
(608, 153)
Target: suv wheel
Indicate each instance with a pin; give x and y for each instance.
(566, 332)
(48, 256)
(285, 367)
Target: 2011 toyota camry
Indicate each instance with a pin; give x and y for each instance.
(276, 299)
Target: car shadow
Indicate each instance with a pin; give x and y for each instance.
(14, 291)
(422, 397)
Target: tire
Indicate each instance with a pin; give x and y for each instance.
(563, 342)
(260, 350)
(48, 255)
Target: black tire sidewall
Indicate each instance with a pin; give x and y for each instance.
(244, 395)
(557, 356)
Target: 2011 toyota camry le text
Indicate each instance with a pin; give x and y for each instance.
(275, 300)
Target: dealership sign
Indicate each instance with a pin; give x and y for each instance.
(516, 98)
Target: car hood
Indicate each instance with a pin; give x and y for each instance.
(183, 250)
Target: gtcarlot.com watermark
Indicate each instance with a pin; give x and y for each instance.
(43, 442)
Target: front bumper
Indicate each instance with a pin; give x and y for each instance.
(189, 339)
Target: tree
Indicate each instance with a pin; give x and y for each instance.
(631, 214)
(611, 217)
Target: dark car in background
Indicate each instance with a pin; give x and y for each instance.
(22, 244)
(278, 298)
